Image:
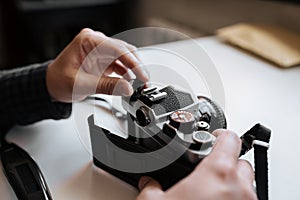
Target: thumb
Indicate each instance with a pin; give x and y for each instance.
(150, 189)
(114, 86)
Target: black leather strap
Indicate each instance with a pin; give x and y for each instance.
(23, 173)
(261, 171)
(261, 145)
(258, 137)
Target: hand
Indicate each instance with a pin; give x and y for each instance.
(85, 65)
(219, 176)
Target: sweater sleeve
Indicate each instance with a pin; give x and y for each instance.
(24, 98)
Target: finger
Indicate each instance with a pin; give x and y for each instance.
(87, 84)
(117, 50)
(119, 69)
(114, 86)
(131, 48)
(148, 182)
(227, 146)
(218, 132)
(245, 172)
(90, 39)
(109, 50)
(150, 189)
(130, 59)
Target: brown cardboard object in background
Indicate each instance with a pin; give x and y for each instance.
(273, 43)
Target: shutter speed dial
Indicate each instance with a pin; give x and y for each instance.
(183, 121)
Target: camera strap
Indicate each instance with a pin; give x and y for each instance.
(258, 137)
(261, 168)
(23, 173)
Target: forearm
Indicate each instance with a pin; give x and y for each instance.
(25, 99)
(25, 92)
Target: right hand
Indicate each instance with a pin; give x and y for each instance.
(221, 175)
(85, 65)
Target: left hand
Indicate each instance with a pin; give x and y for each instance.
(84, 67)
(220, 176)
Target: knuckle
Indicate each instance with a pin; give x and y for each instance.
(86, 31)
(131, 47)
(126, 45)
(226, 168)
(85, 39)
(230, 133)
(227, 133)
(122, 42)
(118, 48)
(119, 51)
(85, 34)
(236, 138)
(100, 34)
(81, 37)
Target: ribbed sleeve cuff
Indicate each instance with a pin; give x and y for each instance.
(27, 97)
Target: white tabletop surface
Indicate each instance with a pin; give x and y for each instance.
(255, 91)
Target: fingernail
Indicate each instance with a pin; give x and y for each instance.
(143, 182)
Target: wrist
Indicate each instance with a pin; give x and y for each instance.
(49, 82)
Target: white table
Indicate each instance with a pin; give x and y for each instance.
(256, 91)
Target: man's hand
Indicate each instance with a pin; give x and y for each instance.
(219, 176)
(85, 65)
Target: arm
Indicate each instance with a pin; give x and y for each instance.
(219, 176)
(84, 67)
(25, 98)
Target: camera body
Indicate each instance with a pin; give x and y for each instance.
(166, 114)
(169, 132)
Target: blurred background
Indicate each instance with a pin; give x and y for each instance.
(37, 30)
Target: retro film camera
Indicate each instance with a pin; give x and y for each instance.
(169, 132)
